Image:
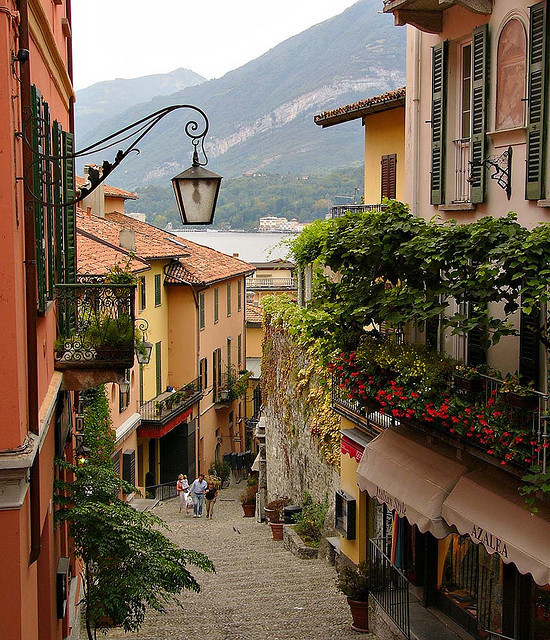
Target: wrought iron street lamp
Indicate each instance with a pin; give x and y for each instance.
(196, 189)
(143, 348)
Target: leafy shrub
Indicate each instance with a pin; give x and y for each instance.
(309, 523)
(221, 470)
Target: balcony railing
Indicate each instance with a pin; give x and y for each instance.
(95, 326)
(391, 588)
(341, 209)
(363, 414)
(525, 417)
(462, 170)
(169, 404)
(271, 283)
(231, 386)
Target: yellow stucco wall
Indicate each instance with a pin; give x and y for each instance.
(355, 550)
(384, 134)
(254, 339)
(157, 317)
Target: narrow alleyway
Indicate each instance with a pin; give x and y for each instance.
(260, 591)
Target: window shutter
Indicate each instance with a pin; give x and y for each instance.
(439, 91)
(536, 112)
(432, 332)
(70, 218)
(157, 290)
(129, 466)
(48, 198)
(476, 352)
(388, 172)
(57, 200)
(39, 221)
(529, 361)
(480, 71)
(158, 368)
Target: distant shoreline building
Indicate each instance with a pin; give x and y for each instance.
(274, 224)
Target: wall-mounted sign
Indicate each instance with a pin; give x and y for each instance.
(351, 448)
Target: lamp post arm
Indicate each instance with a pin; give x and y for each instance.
(194, 130)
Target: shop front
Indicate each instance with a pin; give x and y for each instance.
(461, 532)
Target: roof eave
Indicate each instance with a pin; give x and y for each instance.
(355, 114)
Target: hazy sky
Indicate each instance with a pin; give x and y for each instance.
(132, 38)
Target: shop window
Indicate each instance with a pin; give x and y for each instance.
(471, 580)
(511, 68)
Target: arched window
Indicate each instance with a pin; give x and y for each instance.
(511, 61)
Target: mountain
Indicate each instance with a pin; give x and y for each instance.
(103, 100)
(261, 114)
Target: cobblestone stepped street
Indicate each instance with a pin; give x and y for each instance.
(260, 590)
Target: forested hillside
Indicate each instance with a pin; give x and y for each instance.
(244, 200)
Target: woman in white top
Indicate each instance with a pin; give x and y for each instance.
(182, 487)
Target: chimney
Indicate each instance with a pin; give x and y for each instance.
(235, 255)
(127, 239)
(96, 200)
(88, 211)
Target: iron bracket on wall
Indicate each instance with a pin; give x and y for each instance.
(502, 170)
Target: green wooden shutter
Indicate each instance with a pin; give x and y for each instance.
(48, 198)
(39, 221)
(229, 299)
(529, 355)
(158, 367)
(70, 211)
(536, 112)
(216, 304)
(432, 332)
(57, 200)
(157, 290)
(201, 310)
(439, 92)
(478, 144)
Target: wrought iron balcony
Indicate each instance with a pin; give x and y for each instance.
(271, 283)
(95, 326)
(170, 404)
(341, 209)
(231, 386)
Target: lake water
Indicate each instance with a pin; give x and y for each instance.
(252, 247)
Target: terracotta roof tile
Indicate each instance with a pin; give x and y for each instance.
(383, 102)
(253, 313)
(111, 192)
(95, 257)
(151, 243)
(197, 264)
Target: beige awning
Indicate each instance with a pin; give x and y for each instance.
(410, 478)
(487, 506)
(256, 464)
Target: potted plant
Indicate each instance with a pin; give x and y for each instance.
(516, 395)
(112, 338)
(355, 582)
(467, 379)
(274, 515)
(248, 498)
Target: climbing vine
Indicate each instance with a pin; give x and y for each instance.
(294, 374)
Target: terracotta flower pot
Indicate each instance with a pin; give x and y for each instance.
(359, 614)
(277, 530)
(249, 510)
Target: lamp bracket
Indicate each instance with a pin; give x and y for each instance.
(37, 128)
(502, 169)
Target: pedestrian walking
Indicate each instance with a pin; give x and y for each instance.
(210, 496)
(182, 488)
(197, 489)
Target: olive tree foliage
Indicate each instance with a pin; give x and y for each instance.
(128, 562)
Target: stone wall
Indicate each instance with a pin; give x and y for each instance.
(294, 461)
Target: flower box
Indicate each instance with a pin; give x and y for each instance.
(469, 385)
(517, 401)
